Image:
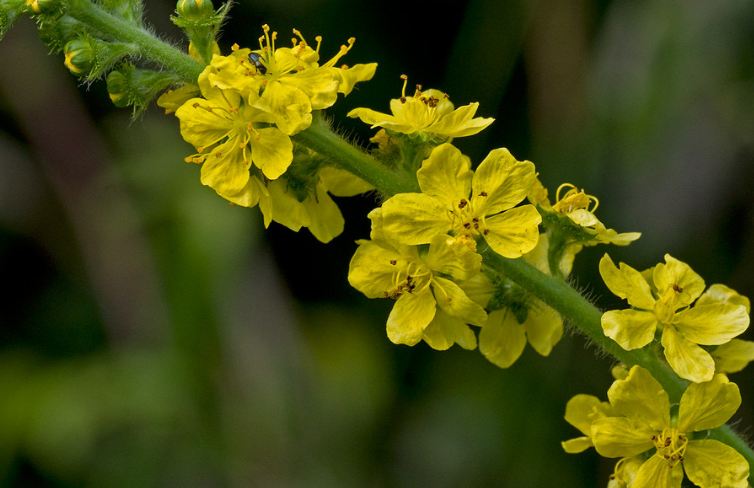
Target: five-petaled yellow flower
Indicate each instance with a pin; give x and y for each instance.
(429, 303)
(662, 299)
(427, 113)
(467, 204)
(639, 421)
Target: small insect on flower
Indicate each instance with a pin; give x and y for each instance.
(256, 60)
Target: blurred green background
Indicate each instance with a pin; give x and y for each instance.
(153, 335)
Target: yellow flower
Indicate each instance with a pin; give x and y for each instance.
(287, 75)
(467, 204)
(572, 222)
(429, 304)
(317, 211)
(230, 135)
(664, 301)
(641, 422)
(427, 113)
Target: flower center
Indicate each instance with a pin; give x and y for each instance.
(671, 445)
(465, 222)
(414, 277)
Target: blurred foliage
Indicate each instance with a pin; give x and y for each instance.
(153, 335)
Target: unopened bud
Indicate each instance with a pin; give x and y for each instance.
(79, 56)
(195, 9)
(117, 88)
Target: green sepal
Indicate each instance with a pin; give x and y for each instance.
(302, 174)
(412, 149)
(57, 30)
(509, 295)
(563, 232)
(200, 24)
(129, 86)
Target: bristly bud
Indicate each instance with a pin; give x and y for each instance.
(201, 23)
(41, 6)
(195, 10)
(132, 87)
(79, 56)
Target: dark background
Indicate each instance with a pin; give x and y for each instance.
(153, 335)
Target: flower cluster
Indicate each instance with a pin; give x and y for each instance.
(250, 104)
(668, 298)
(655, 445)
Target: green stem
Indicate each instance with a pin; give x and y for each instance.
(151, 47)
(320, 138)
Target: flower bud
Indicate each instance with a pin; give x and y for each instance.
(117, 88)
(41, 6)
(195, 9)
(79, 56)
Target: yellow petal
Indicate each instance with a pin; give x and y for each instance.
(631, 329)
(460, 122)
(446, 175)
(479, 288)
(626, 283)
(372, 268)
(320, 86)
(677, 275)
(502, 339)
(414, 218)
(500, 182)
(708, 405)
(642, 398)
(711, 463)
(285, 208)
(271, 151)
(688, 360)
(621, 436)
(733, 356)
(582, 410)
(341, 183)
(444, 331)
(249, 195)
(544, 327)
(656, 472)
(411, 314)
(712, 324)
(451, 298)
(355, 74)
(225, 169)
(449, 256)
(514, 232)
(325, 220)
(576, 445)
(204, 122)
(374, 118)
(289, 107)
(718, 293)
(171, 100)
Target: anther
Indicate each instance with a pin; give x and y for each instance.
(482, 193)
(393, 262)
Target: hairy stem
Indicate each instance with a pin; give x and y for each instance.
(150, 47)
(321, 139)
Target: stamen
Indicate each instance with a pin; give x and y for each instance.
(319, 42)
(596, 201)
(403, 90)
(570, 187)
